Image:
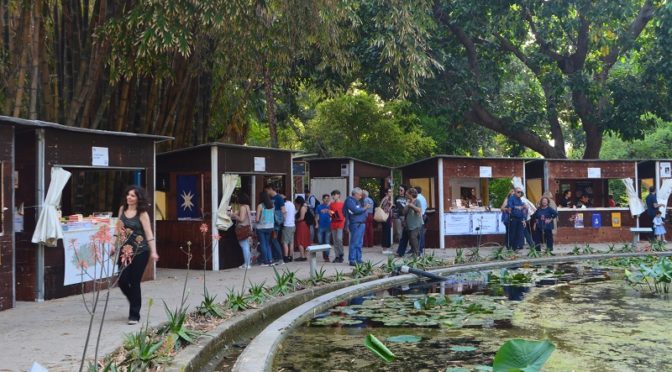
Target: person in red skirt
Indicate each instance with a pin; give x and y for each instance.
(303, 219)
(368, 231)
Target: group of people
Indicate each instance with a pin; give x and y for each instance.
(407, 217)
(582, 201)
(522, 226)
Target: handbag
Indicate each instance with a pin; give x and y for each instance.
(243, 232)
(379, 215)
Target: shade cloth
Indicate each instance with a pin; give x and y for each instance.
(229, 182)
(663, 195)
(518, 183)
(635, 203)
(48, 229)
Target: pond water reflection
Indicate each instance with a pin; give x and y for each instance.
(597, 325)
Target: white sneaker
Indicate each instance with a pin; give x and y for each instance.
(132, 322)
(245, 267)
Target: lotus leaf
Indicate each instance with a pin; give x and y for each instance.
(460, 348)
(410, 339)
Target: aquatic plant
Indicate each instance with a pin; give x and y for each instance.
(257, 292)
(459, 256)
(430, 302)
(378, 348)
(522, 355)
(657, 277)
(506, 278)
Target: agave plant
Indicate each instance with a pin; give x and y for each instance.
(237, 301)
(257, 292)
(176, 325)
(474, 254)
(459, 256)
(587, 249)
(628, 248)
(209, 307)
(362, 270)
(499, 254)
(285, 282)
(339, 276)
(533, 253)
(390, 265)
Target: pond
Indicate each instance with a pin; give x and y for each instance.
(597, 323)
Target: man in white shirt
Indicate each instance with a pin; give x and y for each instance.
(288, 231)
(423, 229)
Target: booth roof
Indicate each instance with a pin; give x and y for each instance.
(228, 145)
(532, 160)
(309, 159)
(464, 157)
(8, 120)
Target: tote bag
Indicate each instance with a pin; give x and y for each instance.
(379, 215)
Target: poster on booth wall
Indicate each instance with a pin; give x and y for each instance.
(85, 257)
(596, 220)
(187, 197)
(487, 223)
(665, 170)
(457, 223)
(616, 219)
(578, 221)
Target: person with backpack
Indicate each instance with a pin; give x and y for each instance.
(304, 219)
(312, 203)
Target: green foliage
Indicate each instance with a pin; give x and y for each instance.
(285, 282)
(522, 355)
(658, 246)
(390, 265)
(145, 350)
(474, 255)
(339, 276)
(362, 270)
(378, 348)
(459, 256)
(627, 248)
(361, 125)
(431, 302)
(533, 253)
(657, 276)
(209, 307)
(320, 276)
(499, 191)
(237, 301)
(500, 254)
(587, 249)
(176, 326)
(257, 292)
(506, 278)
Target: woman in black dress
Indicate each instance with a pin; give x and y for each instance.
(137, 247)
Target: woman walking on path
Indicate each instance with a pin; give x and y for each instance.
(244, 218)
(302, 226)
(137, 247)
(543, 218)
(386, 206)
(265, 223)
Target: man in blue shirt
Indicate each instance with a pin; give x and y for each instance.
(423, 229)
(517, 218)
(356, 217)
(323, 224)
(652, 203)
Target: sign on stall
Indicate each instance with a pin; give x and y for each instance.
(594, 172)
(616, 219)
(665, 170)
(100, 156)
(485, 172)
(473, 223)
(259, 164)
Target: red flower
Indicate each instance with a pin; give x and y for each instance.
(204, 228)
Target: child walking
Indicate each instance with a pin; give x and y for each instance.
(659, 226)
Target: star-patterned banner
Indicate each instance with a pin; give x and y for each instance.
(187, 197)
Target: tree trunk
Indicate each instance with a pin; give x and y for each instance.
(270, 107)
(49, 108)
(35, 56)
(123, 105)
(23, 61)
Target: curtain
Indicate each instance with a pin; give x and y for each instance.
(663, 195)
(48, 229)
(518, 183)
(635, 203)
(229, 182)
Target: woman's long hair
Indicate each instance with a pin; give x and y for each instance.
(141, 194)
(265, 199)
(243, 199)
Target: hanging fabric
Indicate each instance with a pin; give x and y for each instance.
(663, 195)
(48, 229)
(229, 182)
(635, 203)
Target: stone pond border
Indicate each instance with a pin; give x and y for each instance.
(259, 354)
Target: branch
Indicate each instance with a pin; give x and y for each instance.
(509, 47)
(625, 41)
(463, 38)
(480, 116)
(543, 44)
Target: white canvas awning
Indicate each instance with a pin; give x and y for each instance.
(48, 229)
(635, 203)
(229, 182)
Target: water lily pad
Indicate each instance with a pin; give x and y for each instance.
(457, 369)
(407, 339)
(461, 348)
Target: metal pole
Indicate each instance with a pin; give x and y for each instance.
(39, 277)
(214, 191)
(442, 212)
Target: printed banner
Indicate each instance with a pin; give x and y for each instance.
(578, 221)
(187, 197)
(85, 259)
(473, 223)
(616, 219)
(596, 220)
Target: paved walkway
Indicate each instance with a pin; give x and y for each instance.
(52, 333)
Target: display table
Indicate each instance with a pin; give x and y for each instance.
(86, 254)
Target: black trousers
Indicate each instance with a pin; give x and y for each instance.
(129, 283)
